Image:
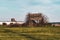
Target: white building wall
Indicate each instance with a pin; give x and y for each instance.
(56, 24)
(11, 22)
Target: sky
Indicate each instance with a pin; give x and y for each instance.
(18, 9)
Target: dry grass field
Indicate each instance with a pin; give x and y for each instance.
(29, 33)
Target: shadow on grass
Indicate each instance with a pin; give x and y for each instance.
(20, 34)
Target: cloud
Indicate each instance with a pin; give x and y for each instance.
(19, 8)
(45, 1)
(51, 11)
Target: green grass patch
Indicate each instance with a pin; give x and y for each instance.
(29, 33)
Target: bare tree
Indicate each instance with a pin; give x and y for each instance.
(44, 18)
(13, 20)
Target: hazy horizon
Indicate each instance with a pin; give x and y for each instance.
(18, 9)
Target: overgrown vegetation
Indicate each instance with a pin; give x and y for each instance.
(29, 33)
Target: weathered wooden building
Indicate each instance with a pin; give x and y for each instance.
(35, 19)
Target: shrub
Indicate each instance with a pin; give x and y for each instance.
(4, 24)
